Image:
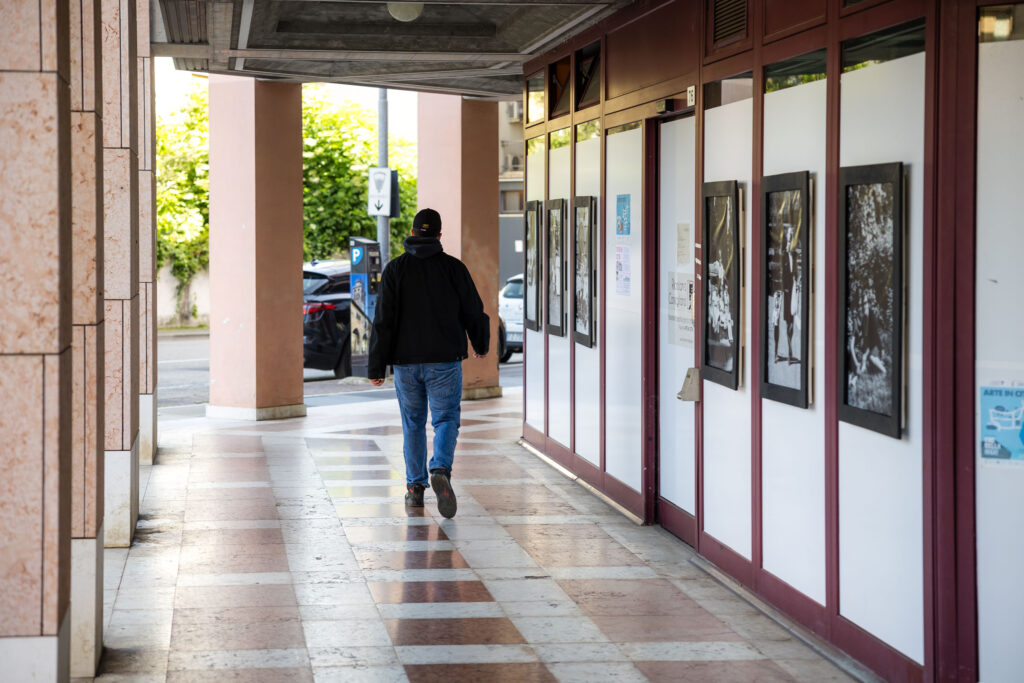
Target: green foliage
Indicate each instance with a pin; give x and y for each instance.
(339, 147)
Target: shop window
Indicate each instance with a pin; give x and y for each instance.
(588, 130)
(796, 71)
(883, 46)
(558, 76)
(1001, 22)
(588, 76)
(511, 201)
(728, 90)
(535, 99)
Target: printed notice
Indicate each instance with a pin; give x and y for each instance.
(680, 309)
(622, 214)
(1001, 424)
(622, 270)
(683, 244)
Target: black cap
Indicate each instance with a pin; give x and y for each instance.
(427, 223)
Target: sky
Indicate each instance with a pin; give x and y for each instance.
(171, 86)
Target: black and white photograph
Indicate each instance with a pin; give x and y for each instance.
(556, 267)
(721, 283)
(870, 297)
(785, 290)
(532, 308)
(583, 279)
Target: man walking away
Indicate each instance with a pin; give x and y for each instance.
(426, 306)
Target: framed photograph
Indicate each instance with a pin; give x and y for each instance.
(532, 306)
(870, 353)
(556, 267)
(585, 276)
(723, 263)
(785, 287)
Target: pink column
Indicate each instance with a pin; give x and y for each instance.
(146, 122)
(458, 176)
(35, 341)
(87, 342)
(255, 249)
(120, 272)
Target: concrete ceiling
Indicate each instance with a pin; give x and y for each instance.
(468, 47)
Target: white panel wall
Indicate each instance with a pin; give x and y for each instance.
(881, 561)
(727, 503)
(588, 360)
(534, 356)
(624, 397)
(676, 418)
(793, 470)
(1000, 355)
(559, 379)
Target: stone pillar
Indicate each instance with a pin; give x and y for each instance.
(87, 352)
(35, 341)
(120, 272)
(255, 249)
(458, 176)
(147, 237)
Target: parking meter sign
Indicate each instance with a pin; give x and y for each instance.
(379, 203)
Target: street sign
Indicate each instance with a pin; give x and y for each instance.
(379, 203)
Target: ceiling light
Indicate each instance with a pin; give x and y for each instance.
(405, 11)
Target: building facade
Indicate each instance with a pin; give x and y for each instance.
(770, 305)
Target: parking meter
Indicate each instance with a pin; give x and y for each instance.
(364, 284)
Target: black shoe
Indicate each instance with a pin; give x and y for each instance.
(446, 503)
(414, 495)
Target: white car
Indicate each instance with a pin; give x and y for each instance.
(510, 310)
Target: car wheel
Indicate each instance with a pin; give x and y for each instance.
(344, 365)
(504, 353)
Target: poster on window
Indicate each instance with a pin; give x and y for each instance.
(680, 309)
(722, 292)
(1001, 424)
(622, 202)
(556, 267)
(532, 294)
(623, 286)
(584, 277)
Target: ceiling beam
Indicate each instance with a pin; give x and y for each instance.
(203, 51)
(511, 3)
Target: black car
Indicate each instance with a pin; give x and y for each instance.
(325, 317)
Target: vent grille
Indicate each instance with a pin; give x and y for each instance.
(730, 19)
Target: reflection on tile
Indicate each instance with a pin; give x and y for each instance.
(441, 610)
(698, 672)
(585, 672)
(292, 675)
(237, 659)
(341, 445)
(416, 559)
(689, 652)
(493, 673)
(458, 654)
(237, 635)
(452, 631)
(430, 591)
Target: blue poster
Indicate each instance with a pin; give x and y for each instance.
(1001, 426)
(622, 214)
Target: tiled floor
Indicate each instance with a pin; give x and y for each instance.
(284, 552)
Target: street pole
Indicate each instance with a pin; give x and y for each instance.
(383, 222)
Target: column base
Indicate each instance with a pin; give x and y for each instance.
(37, 658)
(86, 605)
(120, 496)
(268, 413)
(147, 428)
(480, 393)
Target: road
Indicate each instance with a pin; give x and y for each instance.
(184, 376)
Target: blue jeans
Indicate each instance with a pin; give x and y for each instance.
(440, 384)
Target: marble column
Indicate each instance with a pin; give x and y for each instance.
(255, 249)
(35, 341)
(120, 272)
(87, 354)
(458, 177)
(147, 237)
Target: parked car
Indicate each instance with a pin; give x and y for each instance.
(510, 312)
(325, 317)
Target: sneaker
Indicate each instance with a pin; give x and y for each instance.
(446, 503)
(414, 495)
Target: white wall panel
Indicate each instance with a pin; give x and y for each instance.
(588, 360)
(534, 356)
(727, 502)
(1000, 356)
(793, 470)
(623, 396)
(881, 555)
(559, 378)
(676, 446)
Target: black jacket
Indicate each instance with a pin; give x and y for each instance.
(426, 306)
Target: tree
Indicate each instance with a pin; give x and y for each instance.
(339, 147)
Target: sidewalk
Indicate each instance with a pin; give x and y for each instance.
(282, 551)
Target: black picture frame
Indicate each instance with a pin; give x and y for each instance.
(871, 289)
(584, 271)
(532, 276)
(722, 256)
(555, 268)
(786, 225)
